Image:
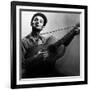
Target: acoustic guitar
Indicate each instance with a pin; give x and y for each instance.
(51, 48)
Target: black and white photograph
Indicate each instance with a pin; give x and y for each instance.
(48, 43)
(48, 40)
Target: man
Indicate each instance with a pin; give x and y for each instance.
(43, 63)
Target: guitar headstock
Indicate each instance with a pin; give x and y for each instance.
(77, 28)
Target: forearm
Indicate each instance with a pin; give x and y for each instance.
(69, 38)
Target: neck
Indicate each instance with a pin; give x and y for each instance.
(35, 32)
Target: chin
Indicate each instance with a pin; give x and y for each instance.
(37, 29)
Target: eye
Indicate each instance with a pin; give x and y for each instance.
(36, 19)
(41, 21)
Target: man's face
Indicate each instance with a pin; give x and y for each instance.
(38, 22)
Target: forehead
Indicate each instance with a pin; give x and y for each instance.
(39, 17)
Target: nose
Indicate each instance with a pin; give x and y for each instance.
(37, 22)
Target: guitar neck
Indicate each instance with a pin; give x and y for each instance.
(66, 39)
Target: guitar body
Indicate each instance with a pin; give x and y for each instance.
(48, 47)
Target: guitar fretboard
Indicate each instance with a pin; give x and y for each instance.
(66, 39)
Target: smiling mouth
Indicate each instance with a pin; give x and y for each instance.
(36, 25)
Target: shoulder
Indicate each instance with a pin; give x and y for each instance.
(25, 39)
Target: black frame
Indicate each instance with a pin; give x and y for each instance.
(13, 44)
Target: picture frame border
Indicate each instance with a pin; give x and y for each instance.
(13, 44)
